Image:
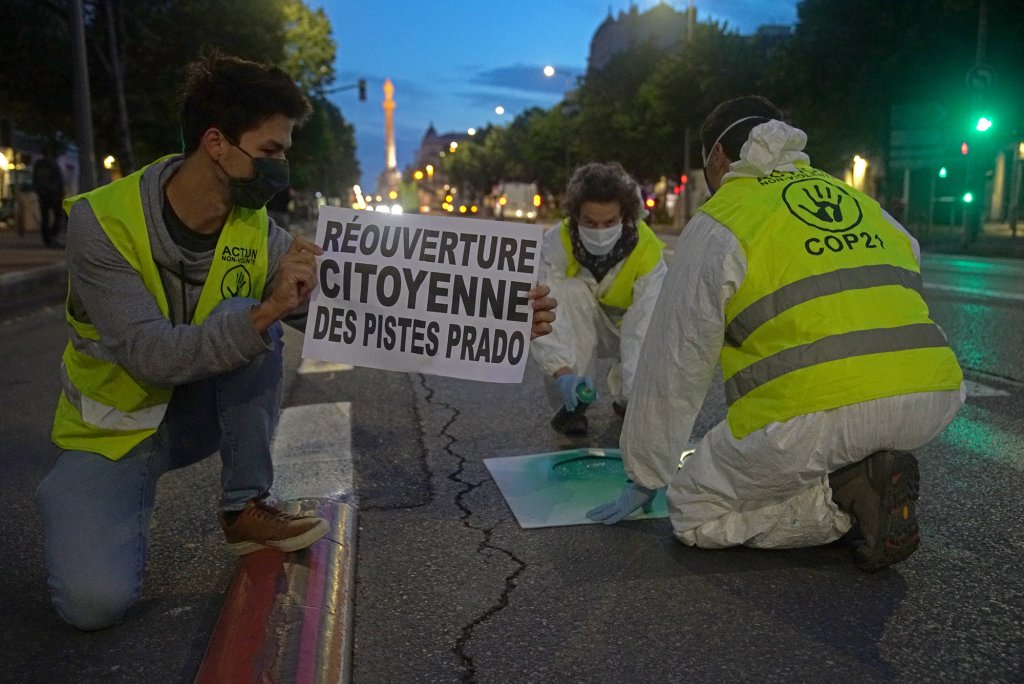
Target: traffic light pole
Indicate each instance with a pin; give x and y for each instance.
(361, 84)
(974, 211)
(1015, 189)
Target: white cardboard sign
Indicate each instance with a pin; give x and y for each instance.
(424, 294)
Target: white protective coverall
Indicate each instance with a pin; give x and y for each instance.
(584, 332)
(769, 489)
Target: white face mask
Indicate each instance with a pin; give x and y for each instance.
(599, 241)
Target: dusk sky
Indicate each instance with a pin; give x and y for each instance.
(453, 62)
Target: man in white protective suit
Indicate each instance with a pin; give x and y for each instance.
(605, 267)
(807, 295)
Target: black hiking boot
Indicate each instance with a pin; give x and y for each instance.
(881, 493)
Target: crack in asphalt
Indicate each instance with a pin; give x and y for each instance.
(466, 634)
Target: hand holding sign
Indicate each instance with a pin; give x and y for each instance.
(543, 310)
(292, 285)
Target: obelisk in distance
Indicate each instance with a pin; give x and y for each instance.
(391, 176)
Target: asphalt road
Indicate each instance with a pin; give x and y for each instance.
(449, 587)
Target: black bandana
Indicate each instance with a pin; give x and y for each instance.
(599, 265)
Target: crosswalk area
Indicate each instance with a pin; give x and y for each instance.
(312, 448)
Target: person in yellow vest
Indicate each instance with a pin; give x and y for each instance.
(604, 266)
(179, 284)
(808, 296)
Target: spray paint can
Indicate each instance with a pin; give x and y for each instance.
(566, 421)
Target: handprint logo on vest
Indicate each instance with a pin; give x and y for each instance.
(822, 204)
(236, 283)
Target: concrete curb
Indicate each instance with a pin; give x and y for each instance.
(30, 277)
(21, 291)
(287, 617)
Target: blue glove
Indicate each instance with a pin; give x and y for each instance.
(633, 496)
(567, 384)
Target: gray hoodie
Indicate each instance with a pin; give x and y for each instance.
(107, 292)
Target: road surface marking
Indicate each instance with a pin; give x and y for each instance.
(976, 292)
(976, 389)
(312, 452)
(314, 366)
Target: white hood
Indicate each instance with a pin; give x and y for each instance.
(771, 146)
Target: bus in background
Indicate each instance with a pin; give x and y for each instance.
(515, 201)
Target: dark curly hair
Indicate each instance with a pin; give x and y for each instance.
(603, 183)
(235, 95)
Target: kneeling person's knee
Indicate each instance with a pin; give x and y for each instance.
(95, 604)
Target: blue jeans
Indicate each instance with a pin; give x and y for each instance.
(96, 512)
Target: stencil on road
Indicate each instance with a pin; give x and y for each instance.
(558, 488)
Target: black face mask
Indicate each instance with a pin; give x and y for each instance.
(270, 176)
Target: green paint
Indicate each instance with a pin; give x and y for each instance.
(558, 488)
(585, 394)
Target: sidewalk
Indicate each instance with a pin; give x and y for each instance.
(31, 274)
(995, 240)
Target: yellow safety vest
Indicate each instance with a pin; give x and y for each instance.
(641, 261)
(102, 408)
(830, 312)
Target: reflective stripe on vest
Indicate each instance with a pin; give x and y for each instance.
(641, 261)
(830, 311)
(106, 417)
(103, 408)
(833, 348)
(788, 296)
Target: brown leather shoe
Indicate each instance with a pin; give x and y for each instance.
(261, 526)
(881, 493)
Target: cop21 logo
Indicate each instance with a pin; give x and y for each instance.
(828, 207)
(822, 205)
(236, 283)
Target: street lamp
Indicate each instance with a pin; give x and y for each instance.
(860, 167)
(499, 110)
(567, 107)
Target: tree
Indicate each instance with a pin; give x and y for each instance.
(137, 60)
(684, 88)
(309, 47)
(323, 152)
(35, 66)
(614, 124)
(849, 63)
(163, 36)
(480, 163)
(112, 60)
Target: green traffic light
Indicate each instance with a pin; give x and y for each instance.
(942, 172)
(984, 123)
(968, 197)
